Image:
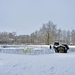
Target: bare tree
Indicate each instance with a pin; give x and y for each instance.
(48, 31)
(64, 34)
(68, 39)
(73, 36)
(59, 35)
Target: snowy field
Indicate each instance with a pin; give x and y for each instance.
(45, 62)
(27, 49)
(30, 49)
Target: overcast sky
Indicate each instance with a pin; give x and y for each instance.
(27, 16)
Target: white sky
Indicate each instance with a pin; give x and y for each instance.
(27, 16)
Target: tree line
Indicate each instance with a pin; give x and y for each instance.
(47, 34)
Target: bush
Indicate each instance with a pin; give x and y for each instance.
(28, 50)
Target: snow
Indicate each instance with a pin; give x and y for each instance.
(47, 63)
(28, 49)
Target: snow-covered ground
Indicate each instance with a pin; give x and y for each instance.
(44, 63)
(30, 49)
(49, 64)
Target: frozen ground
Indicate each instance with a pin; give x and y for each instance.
(46, 64)
(36, 60)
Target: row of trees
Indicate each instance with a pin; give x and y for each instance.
(47, 34)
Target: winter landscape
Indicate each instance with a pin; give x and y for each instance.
(35, 35)
(37, 60)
